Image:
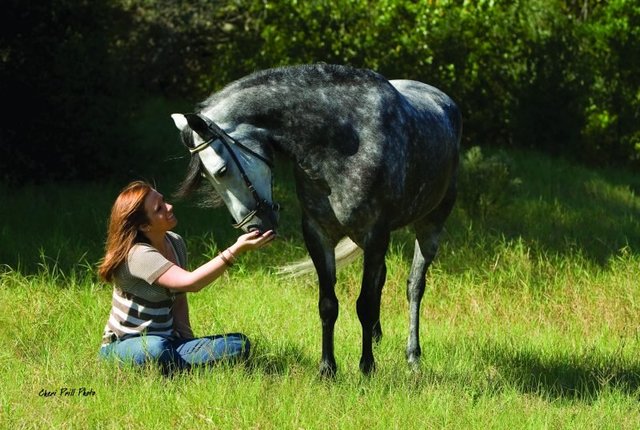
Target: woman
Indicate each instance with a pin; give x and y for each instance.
(146, 262)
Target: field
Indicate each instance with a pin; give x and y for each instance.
(531, 318)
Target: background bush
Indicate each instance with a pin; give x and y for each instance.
(485, 184)
(555, 75)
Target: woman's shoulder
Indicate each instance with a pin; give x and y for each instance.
(140, 247)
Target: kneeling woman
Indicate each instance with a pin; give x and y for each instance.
(146, 262)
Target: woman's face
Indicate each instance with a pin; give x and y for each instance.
(159, 213)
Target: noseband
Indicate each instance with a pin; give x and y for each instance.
(227, 141)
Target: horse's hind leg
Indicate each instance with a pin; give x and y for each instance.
(426, 246)
(424, 253)
(368, 303)
(322, 254)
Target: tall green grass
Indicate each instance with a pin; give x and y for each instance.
(531, 319)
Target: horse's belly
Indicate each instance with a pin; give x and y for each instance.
(423, 195)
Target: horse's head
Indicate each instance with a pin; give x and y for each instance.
(238, 168)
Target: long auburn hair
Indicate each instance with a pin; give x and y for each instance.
(127, 215)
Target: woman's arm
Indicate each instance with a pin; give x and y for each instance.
(180, 280)
(180, 313)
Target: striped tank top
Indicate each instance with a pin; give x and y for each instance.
(138, 305)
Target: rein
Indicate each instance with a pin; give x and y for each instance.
(227, 141)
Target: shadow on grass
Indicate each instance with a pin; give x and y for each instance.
(582, 376)
(564, 208)
(559, 209)
(281, 361)
(484, 368)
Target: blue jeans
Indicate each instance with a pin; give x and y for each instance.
(178, 354)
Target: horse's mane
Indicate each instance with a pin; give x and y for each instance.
(194, 181)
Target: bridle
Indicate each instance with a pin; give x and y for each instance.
(227, 141)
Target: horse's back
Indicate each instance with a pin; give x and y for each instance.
(432, 105)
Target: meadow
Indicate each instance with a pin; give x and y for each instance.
(531, 318)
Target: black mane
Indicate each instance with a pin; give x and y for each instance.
(194, 181)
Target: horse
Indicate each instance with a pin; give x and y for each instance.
(370, 156)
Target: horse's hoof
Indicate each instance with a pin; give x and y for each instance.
(413, 358)
(367, 367)
(414, 363)
(328, 370)
(413, 353)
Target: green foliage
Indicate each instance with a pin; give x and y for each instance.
(613, 108)
(528, 73)
(185, 48)
(555, 75)
(485, 184)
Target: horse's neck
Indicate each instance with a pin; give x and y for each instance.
(297, 151)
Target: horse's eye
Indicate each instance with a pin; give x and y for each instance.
(221, 172)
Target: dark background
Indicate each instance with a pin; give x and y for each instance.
(560, 77)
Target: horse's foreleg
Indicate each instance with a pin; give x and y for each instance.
(368, 303)
(322, 254)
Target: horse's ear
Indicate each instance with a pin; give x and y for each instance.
(199, 125)
(180, 121)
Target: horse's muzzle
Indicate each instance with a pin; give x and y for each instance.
(264, 218)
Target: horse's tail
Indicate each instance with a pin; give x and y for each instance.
(346, 251)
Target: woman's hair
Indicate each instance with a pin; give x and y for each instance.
(127, 215)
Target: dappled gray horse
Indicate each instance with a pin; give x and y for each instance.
(370, 156)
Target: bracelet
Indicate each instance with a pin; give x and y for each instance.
(227, 262)
(232, 255)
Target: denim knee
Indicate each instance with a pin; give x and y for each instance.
(140, 350)
(158, 349)
(212, 349)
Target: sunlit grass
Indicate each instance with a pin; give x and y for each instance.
(530, 320)
(563, 357)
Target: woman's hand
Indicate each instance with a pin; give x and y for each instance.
(252, 240)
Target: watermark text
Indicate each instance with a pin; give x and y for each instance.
(67, 392)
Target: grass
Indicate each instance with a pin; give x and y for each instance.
(531, 319)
